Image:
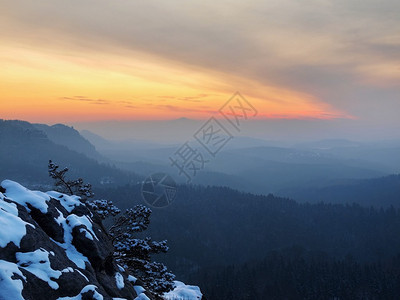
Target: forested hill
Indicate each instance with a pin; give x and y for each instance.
(377, 192)
(25, 151)
(67, 136)
(208, 226)
(296, 274)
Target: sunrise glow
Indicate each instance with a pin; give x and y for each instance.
(156, 60)
(45, 86)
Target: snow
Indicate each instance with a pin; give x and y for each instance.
(68, 202)
(143, 297)
(71, 270)
(23, 196)
(119, 281)
(60, 219)
(68, 225)
(90, 287)
(121, 269)
(87, 233)
(78, 258)
(139, 289)
(132, 279)
(67, 270)
(38, 264)
(183, 291)
(16, 227)
(75, 221)
(10, 288)
(83, 275)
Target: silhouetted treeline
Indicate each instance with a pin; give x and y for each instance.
(209, 226)
(295, 274)
(377, 192)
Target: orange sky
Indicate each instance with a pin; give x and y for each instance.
(131, 60)
(44, 86)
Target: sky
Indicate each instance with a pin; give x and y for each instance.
(99, 60)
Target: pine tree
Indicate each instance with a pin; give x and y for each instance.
(135, 254)
(71, 187)
(132, 253)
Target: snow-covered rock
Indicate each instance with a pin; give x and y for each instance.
(51, 248)
(183, 292)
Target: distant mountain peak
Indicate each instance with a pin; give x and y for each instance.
(67, 136)
(184, 119)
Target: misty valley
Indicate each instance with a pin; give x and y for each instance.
(265, 220)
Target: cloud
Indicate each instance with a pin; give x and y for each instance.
(196, 99)
(203, 109)
(85, 99)
(332, 50)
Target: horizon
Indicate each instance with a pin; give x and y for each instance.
(274, 130)
(316, 62)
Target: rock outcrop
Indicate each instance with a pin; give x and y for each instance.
(51, 247)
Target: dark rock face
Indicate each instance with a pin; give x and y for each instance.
(47, 221)
(62, 253)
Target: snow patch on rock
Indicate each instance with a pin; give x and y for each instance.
(119, 281)
(183, 291)
(142, 297)
(23, 196)
(132, 279)
(67, 201)
(35, 261)
(83, 275)
(78, 258)
(75, 221)
(13, 228)
(139, 289)
(8, 284)
(38, 264)
(88, 288)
